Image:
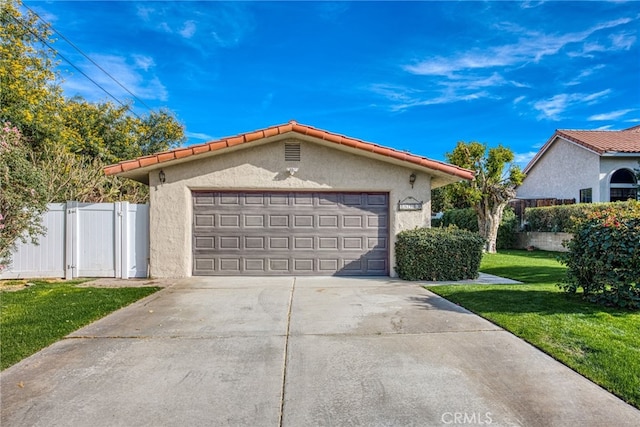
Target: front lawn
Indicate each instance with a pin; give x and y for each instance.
(601, 343)
(35, 317)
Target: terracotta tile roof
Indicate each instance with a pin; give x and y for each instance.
(602, 141)
(249, 137)
(599, 141)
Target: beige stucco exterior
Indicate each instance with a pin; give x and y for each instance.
(261, 166)
(563, 170)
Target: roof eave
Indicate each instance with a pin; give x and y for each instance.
(139, 169)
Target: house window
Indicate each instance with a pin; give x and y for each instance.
(586, 195)
(623, 186)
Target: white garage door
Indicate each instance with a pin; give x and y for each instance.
(297, 233)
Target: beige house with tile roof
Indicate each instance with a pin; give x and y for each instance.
(286, 200)
(585, 165)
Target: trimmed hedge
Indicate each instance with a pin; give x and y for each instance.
(461, 218)
(604, 256)
(467, 219)
(438, 254)
(562, 218)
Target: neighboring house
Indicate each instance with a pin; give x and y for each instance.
(285, 200)
(585, 165)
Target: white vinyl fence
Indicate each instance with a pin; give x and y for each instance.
(86, 240)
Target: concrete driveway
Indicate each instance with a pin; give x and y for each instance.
(299, 352)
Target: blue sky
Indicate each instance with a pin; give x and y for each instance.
(415, 76)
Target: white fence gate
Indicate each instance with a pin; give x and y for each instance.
(87, 240)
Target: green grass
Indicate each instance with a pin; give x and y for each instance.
(601, 343)
(35, 317)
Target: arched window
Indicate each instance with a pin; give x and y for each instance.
(623, 186)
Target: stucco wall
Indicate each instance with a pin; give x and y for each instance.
(561, 173)
(262, 167)
(542, 240)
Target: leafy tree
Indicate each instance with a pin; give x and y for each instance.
(72, 139)
(22, 193)
(30, 95)
(72, 177)
(489, 193)
(111, 133)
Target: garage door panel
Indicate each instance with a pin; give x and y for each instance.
(254, 199)
(377, 221)
(203, 199)
(379, 243)
(253, 221)
(281, 221)
(303, 265)
(278, 199)
(303, 221)
(278, 243)
(229, 265)
(328, 265)
(352, 199)
(290, 233)
(229, 220)
(279, 265)
(205, 242)
(230, 199)
(352, 221)
(328, 243)
(254, 264)
(376, 199)
(205, 265)
(303, 242)
(229, 242)
(328, 221)
(251, 242)
(205, 220)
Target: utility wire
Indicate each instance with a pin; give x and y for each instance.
(74, 66)
(86, 56)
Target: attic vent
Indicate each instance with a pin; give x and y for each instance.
(292, 152)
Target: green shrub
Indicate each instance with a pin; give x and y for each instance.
(562, 218)
(438, 254)
(467, 219)
(559, 218)
(461, 218)
(507, 231)
(436, 222)
(604, 256)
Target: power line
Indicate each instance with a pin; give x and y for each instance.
(86, 56)
(19, 22)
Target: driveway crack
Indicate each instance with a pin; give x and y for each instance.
(286, 353)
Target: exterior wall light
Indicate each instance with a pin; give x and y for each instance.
(162, 177)
(412, 179)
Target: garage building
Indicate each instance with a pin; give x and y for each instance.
(286, 200)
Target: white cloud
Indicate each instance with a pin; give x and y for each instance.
(519, 99)
(188, 29)
(605, 127)
(143, 62)
(613, 115)
(552, 108)
(532, 47)
(523, 158)
(225, 24)
(622, 41)
(199, 136)
(584, 74)
(135, 74)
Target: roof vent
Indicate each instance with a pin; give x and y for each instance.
(292, 152)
